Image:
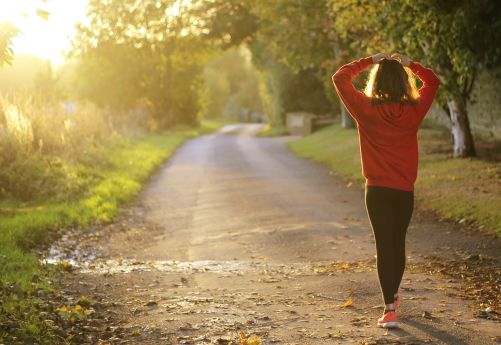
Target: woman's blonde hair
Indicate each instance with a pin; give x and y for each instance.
(390, 81)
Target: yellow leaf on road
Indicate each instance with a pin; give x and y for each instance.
(344, 266)
(348, 303)
(249, 341)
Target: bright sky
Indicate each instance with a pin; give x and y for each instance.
(47, 39)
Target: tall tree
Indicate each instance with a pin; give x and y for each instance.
(456, 38)
(459, 43)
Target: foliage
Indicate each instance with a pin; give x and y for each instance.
(274, 78)
(36, 137)
(231, 84)
(135, 51)
(46, 85)
(307, 40)
(282, 90)
(455, 38)
(117, 177)
(289, 61)
(306, 48)
(107, 65)
(7, 33)
(36, 176)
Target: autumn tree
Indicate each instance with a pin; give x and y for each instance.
(455, 38)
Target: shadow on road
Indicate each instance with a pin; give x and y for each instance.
(432, 332)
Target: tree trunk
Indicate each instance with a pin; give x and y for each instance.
(346, 119)
(460, 127)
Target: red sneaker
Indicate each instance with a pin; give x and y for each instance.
(388, 320)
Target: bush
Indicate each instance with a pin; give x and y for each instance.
(46, 148)
(35, 176)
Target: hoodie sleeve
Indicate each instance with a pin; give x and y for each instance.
(354, 100)
(429, 88)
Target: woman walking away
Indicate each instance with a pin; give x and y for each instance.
(388, 115)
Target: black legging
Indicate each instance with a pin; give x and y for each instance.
(390, 212)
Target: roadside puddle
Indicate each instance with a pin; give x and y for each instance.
(86, 260)
(116, 266)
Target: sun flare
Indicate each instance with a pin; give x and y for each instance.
(49, 37)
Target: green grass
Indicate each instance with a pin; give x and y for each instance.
(465, 190)
(117, 176)
(273, 131)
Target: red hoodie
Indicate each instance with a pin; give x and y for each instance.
(388, 131)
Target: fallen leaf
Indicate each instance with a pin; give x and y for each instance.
(343, 266)
(348, 303)
(254, 340)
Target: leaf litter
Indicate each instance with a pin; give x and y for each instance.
(479, 277)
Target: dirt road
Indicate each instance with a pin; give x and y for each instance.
(235, 234)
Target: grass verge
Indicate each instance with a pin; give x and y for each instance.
(465, 190)
(115, 178)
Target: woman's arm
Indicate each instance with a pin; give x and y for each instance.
(429, 88)
(354, 100)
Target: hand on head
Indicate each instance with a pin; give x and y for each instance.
(379, 56)
(404, 60)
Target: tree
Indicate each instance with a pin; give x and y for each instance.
(456, 38)
(279, 55)
(458, 44)
(231, 83)
(308, 44)
(147, 50)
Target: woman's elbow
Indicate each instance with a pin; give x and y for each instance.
(337, 78)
